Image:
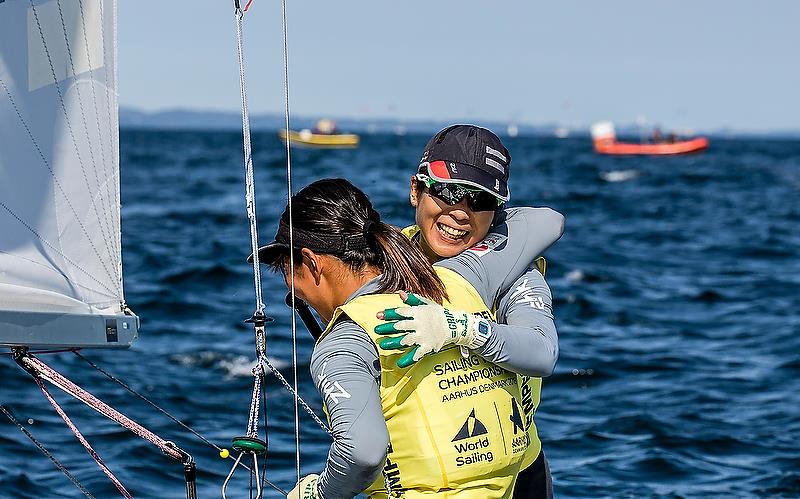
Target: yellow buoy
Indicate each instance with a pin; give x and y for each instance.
(224, 453)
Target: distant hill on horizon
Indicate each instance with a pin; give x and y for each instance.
(186, 119)
(225, 120)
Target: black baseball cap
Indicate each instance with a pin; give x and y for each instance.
(469, 155)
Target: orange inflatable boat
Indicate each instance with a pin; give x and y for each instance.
(605, 142)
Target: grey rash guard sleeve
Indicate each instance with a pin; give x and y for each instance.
(524, 338)
(346, 371)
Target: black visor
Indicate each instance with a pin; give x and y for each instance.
(320, 243)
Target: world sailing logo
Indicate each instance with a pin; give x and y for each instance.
(472, 451)
(472, 427)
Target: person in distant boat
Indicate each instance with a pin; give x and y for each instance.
(444, 426)
(325, 127)
(657, 137)
(458, 193)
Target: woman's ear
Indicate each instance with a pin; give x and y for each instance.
(414, 192)
(313, 262)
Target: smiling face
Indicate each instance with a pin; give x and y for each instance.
(447, 230)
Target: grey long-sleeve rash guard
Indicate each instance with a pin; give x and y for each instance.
(345, 365)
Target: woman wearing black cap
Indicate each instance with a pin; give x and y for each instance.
(446, 426)
(458, 194)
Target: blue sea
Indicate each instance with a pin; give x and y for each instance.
(677, 300)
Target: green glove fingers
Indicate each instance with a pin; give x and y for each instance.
(393, 343)
(408, 358)
(387, 328)
(391, 314)
(413, 300)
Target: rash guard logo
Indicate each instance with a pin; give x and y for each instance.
(524, 294)
(490, 242)
(331, 390)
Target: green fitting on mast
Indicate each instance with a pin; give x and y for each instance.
(249, 444)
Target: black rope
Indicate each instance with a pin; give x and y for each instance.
(170, 416)
(46, 452)
(152, 404)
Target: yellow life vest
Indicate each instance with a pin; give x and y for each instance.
(530, 387)
(456, 425)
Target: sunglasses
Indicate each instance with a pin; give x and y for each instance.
(452, 194)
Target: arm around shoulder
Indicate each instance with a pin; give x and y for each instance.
(525, 339)
(537, 228)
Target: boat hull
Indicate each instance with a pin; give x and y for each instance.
(629, 149)
(306, 138)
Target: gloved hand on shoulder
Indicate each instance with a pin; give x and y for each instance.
(306, 488)
(429, 327)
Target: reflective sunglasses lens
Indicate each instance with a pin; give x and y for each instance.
(482, 201)
(449, 193)
(453, 194)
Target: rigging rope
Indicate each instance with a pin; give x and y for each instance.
(250, 196)
(291, 240)
(250, 442)
(46, 452)
(83, 440)
(167, 414)
(39, 369)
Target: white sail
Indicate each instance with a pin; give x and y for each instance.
(60, 243)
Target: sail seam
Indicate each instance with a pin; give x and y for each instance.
(113, 136)
(95, 168)
(100, 135)
(57, 271)
(71, 134)
(54, 248)
(63, 193)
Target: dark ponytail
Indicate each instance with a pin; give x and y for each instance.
(340, 220)
(405, 267)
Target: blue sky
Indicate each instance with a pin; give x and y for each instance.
(684, 64)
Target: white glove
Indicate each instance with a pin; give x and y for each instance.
(429, 327)
(306, 488)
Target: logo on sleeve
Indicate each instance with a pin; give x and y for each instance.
(525, 294)
(490, 242)
(332, 391)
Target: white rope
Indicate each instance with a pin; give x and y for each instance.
(291, 236)
(259, 371)
(250, 196)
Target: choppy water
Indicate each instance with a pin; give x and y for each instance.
(677, 292)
